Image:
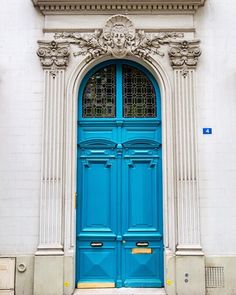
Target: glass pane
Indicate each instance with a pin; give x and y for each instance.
(99, 97)
(139, 98)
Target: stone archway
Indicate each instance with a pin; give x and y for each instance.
(182, 228)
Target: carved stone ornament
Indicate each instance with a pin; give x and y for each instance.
(53, 55)
(184, 54)
(119, 38)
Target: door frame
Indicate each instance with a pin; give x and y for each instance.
(70, 174)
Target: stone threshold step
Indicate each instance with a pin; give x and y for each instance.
(121, 291)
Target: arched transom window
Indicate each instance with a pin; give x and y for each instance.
(119, 90)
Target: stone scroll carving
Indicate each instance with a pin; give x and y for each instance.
(184, 55)
(119, 38)
(53, 55)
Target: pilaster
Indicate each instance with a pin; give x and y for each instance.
(54, 59)
(184, 57)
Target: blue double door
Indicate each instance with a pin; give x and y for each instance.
(119, 211)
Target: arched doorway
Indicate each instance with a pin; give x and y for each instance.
(119, 178)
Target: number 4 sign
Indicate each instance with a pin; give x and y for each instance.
(207, 130)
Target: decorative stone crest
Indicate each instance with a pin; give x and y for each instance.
(184, 54)
(118, 35)
(53, 55)
(119, 38)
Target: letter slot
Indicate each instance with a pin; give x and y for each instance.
(96, 244)
(142, 244)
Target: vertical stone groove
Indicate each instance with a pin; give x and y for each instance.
(54, 59)
(186, 177)
(184, 57)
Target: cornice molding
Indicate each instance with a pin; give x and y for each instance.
(116, 6)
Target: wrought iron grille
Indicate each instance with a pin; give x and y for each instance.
(139, 98)
(99, 96)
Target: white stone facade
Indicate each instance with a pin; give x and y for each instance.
(199, 231)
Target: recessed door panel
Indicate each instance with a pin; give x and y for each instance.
(97, 263)
(97, 130)
(150, 132)
(142, 265)
(97, 186)
(140, 194)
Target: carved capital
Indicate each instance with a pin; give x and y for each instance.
(184, 54)
(53, 55)
(119, 38)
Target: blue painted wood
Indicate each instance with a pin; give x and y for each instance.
(119, 194)
(142, 270)
(118, 91)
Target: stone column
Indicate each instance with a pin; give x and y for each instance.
(49, 259)
(184, 57)
(54, 58)
(190, 265)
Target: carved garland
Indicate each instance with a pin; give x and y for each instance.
(119, 38)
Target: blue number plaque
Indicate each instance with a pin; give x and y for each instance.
(207, 130)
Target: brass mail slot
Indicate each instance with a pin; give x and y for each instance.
(96, 244)
(142, 244)
(142, 251)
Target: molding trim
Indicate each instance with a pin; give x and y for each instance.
(90, 30)
(192, 250)
(105, 6)
(119, 38)
(186, 163)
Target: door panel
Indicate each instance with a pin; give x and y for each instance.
(97, 178)
(97, 264)
(97, 194)
(96, 231)
(140, 195)
(141, 268)
(96, 130)
(148, 130)
(119, 215)
(142, 247)
(124, 181)
(142, 188)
